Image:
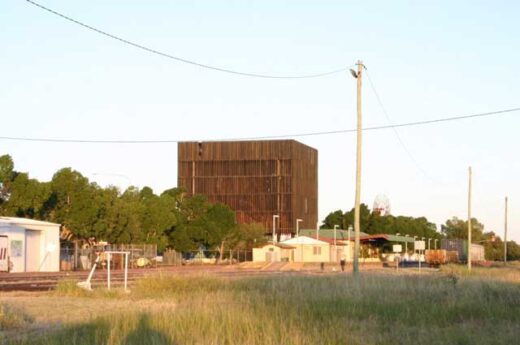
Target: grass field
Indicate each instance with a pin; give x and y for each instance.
(447, 307)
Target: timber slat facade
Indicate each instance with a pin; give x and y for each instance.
(257, 179)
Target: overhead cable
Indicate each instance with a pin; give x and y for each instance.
(399, 139)
(183, 60)
(265, 137)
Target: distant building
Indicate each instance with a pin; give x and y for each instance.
(296, 249)
(257, 179)
(461, 247)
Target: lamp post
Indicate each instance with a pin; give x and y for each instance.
(435, 243)
(274, 227)
(298, 227)
(414, 250)
(429, 243)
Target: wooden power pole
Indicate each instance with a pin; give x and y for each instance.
(358, 75)
(469, 221)
(505, 236)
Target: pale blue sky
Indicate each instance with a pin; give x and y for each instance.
(428, 59)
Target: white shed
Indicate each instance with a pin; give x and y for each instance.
(308, 249)
(32, 245)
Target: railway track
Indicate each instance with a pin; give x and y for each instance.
(49, 281)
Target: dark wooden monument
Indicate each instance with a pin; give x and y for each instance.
(257, 179)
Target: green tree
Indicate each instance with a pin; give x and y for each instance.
(158, 215)
(73, 202)
(334, 218)
(458, 228)
(28, 197)
(6, 176)
(251, 235)
(219, 222)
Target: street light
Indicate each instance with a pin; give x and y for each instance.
(435, 243)
(429, 243)
(297, 226)
(274, 227)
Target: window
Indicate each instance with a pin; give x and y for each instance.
(316, 250)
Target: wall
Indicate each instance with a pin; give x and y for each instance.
(49, 261)
(15, 234)
(259, 254)
(257, 179)
(305, 253)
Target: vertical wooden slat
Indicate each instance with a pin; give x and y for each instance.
(255, 178)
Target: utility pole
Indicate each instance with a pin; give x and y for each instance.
(505, 236)
(358, 76)
(469, 221)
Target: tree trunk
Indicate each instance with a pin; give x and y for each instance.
(221, 251)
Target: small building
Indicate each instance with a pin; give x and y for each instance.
(308, 249)
(32, 245)
(274, 252)
(341, 241)
(379, 247)
(461, 247)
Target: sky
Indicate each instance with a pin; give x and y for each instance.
(426, 59)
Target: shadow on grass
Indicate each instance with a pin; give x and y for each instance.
(130, 330)
(145, 334)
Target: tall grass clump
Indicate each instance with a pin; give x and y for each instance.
(369, 309)
(13, 318)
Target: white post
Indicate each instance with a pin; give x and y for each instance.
(335, 246)
(108, 270)
(274, 227)
(469, 221)
(349, 244)
(126, 270)
(298, 227)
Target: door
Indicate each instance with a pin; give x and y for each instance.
(4, 259)
(32, 250)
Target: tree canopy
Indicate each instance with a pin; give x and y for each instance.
(374, 223)
(134, 215)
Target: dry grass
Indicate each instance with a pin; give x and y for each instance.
(442, 308)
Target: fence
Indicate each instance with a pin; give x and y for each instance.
(145, 255)
(200, 257)
(141, 255)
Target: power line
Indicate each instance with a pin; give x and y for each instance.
(281, 136)
(399, 139)
(179, 59)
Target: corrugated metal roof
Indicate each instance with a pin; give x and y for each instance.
(331, 240)
(303, 240)
(25, 222)
(329, 233)
(388, 237)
